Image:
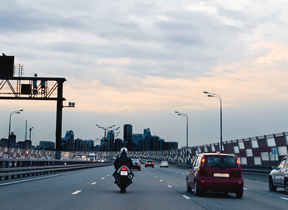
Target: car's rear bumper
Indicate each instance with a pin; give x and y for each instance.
(220, 184)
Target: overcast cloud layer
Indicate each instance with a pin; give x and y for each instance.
(134, 60)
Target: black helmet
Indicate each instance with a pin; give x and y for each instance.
(123, 150)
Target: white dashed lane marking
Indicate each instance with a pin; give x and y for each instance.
(160, 180)
(284, 198)
(103, 178)
(76, 192)
(245, 189)
(186, 197)
(93, 183)
(169, 186)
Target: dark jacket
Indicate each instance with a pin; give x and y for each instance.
(123, 159)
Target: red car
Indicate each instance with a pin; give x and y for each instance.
(215, 172)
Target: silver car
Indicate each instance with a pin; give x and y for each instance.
(164, 164)
(278, 177)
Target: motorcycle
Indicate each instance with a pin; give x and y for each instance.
(125, 176)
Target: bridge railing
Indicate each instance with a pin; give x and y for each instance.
(17, 168)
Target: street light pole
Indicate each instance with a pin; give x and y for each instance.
(219, 97)
(105, 129)
(30, 129)
(9, 132)
(184, 115)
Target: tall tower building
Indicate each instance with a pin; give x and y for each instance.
(110, 138)
(128, 136)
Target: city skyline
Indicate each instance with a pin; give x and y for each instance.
(148, 60)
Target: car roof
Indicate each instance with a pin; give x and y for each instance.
(216, 153)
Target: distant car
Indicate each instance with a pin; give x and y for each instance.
(164, 164)
(149, 162)
(215, 172)
(278, 177)
(100, 160)
(136, 165)
(143, 161)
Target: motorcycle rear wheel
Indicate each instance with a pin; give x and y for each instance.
(123, 189)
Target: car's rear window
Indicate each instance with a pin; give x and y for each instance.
(220, 161)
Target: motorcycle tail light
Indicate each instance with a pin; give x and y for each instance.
(124, 169)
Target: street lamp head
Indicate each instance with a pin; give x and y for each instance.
(210, 96)
(21, 110)
(205, 92)
(179, 114)
(176, 112)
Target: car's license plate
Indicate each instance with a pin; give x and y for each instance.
(221, 175)
(124, 173)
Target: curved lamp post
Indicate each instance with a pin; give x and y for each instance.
(30, 130)
(219, 97)
(105, 129)
(10, 118)
(185, 115)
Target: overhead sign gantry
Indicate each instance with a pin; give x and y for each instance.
(32, 88)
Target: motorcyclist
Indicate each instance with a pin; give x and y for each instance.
(122, 159)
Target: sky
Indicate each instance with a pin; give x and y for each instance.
(137, 62)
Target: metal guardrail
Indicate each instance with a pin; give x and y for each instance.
(11, 169)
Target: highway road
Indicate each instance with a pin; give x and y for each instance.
(152, 188)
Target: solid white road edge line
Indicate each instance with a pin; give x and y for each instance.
(76, 192)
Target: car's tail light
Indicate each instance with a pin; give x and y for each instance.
(152, 162)
(146, 163)
(238, 163)
(202, 161)
(138, 164)
(124, 168)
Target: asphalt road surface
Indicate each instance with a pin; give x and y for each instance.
(152, 188)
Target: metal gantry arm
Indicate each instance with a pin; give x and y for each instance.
(220, 98)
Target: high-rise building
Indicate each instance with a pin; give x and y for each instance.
(146, 140)
(136, 138)
(48, 145)
(78, 144)
(161, 145)
(117, 144)
(127, 136)
(110, 140)
(154, 142)
(90, 145)
(70, 140)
